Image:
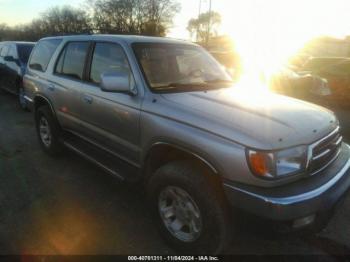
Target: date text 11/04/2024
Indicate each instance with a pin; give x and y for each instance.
(173, 258)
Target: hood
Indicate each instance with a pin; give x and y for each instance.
(258, 120)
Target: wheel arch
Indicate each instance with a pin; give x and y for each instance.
(40, 100)
(161, 153)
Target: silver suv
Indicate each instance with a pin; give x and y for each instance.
(166, 113)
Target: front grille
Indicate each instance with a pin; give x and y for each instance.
(325, 151)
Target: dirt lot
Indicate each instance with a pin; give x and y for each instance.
(67, 206)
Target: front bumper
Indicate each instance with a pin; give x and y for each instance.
(304, 198)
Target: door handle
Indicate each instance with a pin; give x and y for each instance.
(51, 87)
(88, 99)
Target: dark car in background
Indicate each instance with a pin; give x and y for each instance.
(287, 81)
(315, 64)
(13, 62)
(337, 72)
(304, 86)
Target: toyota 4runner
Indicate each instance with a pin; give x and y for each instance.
(166, 113)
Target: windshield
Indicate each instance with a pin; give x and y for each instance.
(24, 52)
(181, 67)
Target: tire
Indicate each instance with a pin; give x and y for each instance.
(21, 100)
(204, 193)
(51, 143)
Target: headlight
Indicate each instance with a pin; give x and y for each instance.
(277, 164)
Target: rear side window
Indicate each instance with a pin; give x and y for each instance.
(12, 52)
(42, 54)
(107, 58)
(4, 51)
(71, 62)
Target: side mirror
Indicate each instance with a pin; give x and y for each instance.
(10, 59)
(118, 82)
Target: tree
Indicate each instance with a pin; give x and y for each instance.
(64, 20)
(55, 21)
(3, 30)
(159, 16)
(198, 27)
(145, 17)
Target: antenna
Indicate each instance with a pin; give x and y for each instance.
(209, 24)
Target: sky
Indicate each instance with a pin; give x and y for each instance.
(306, 17)
(260, 28)
(14, 12)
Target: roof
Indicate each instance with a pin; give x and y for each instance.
(127, 38)
(18, 42)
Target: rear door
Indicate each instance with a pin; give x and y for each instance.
(4, 52)
(67, 83)
(12, 70)
(39, 70)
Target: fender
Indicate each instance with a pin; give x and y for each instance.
(195, 155)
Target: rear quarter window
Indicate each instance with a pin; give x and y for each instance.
(42, 54)
(4, 51)
(12, 52)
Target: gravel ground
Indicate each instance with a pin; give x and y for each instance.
(67, 206)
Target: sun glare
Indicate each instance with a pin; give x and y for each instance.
(266, 33)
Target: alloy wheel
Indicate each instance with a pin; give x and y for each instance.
(45, 132)
(180, 214)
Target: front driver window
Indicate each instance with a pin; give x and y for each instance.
(107, 58)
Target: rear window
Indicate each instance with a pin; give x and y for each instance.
(42, 54)
(24, 52)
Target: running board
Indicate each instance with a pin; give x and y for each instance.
(92, 160)
(102, 158)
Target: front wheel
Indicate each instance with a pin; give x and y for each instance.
(190, 209)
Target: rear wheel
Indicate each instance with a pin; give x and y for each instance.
(48, 131)
(189, 208)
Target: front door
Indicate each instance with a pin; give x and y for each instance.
(111, 119)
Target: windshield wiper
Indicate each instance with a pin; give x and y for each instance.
(207, 85)
(219, 81)
(180, 85)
